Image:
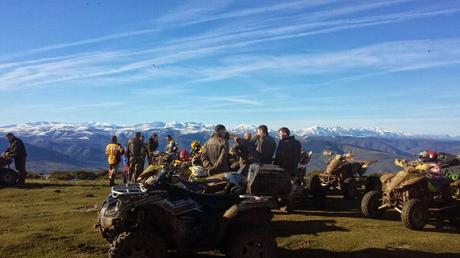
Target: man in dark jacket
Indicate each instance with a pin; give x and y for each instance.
(288, 151)
(265, 145)
(17, 151)
(216, 151)
(135, 153)
(153, 146)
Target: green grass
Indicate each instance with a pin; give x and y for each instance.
(56, 219)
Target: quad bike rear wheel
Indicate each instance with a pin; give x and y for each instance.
(251, 242)
(137, 245)
(414, 214)
(8, 177)
(370, 205)
(349, 188)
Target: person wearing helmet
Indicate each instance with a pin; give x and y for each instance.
(216, 151)
(195, 148)
(183, 155)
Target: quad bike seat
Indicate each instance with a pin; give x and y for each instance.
(213, 202)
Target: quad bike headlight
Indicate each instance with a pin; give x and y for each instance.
(112, 208)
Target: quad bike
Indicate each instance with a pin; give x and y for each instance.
(8, 176)
(147, 221)
(418, 192)
(343, 174)
(196, 177)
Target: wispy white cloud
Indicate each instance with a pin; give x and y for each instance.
(166, 60)
(237, 100)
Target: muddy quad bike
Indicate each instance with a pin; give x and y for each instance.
(416, 195)
(345, 175)
(453, 173)
(8, 176)
(148, 221)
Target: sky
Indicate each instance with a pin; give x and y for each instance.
(391, 64)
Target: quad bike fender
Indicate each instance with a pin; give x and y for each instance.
(412, 181)
(385, 178)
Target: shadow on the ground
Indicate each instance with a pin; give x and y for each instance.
(365, 253)
(285, 228)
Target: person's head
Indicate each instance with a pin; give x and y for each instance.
(262, 130)
(169, 138)
(154, 136)
(220, 130)
(9, 137)
(142, 138)
(137, 135)
(283, 133)
(247, 136)
(114, 139)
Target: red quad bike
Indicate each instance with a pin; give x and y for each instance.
(343, 174)
(8, 176)
(417, 194)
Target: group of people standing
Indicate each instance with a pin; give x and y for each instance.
(134, 155)
(216, 155)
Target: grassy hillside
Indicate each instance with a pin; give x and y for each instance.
(56, 218)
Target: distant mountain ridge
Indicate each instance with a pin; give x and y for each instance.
(84, 130)
(70, 146)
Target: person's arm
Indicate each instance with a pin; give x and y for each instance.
(13, 149)
(205, 158)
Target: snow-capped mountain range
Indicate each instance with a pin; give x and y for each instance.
(68, 146)
(86, 130)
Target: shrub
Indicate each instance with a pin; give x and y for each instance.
(34, 176)
(59, 175)
(85, 175)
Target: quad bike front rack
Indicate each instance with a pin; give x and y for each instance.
(128, 189)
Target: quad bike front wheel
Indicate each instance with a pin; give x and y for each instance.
(8, 177)
(370, 205)
(137, 245)
(414, 214)
(251, 242)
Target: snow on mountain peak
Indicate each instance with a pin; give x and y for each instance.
(79, 130)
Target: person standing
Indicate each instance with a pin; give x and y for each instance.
(114, 151)
(171, 146)
(265, 145)
(216, 151)
(153, 147)
(135, 153)
(287, 157)
(17, 151)
(246, 152)
(288, 152)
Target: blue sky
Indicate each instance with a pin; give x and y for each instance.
(392, 64)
